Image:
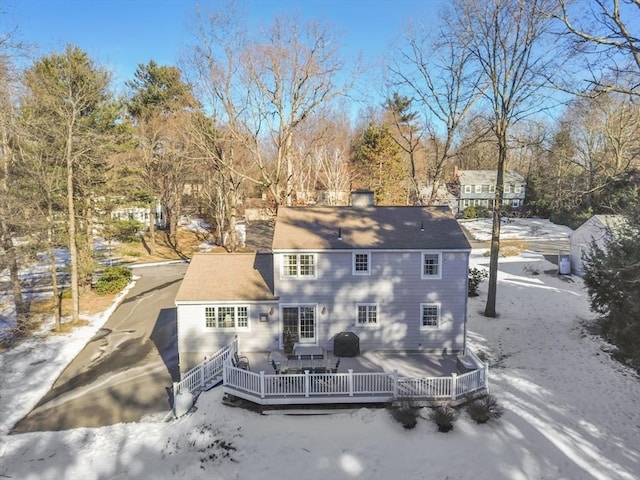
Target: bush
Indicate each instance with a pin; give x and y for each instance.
(405, 412)
(476, 212)
(127, 231)
(443, 416)
(113, 280)
(484, 409)
(475, 278)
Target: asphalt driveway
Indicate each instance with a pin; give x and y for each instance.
(126, 371)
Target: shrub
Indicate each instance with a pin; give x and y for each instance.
(443, 416)
(113, 280)
(127, 231)
(405, 412)
(475, 278)
(476, 212)
(484, 409)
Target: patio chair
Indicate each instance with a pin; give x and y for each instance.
(335, 369)
(275, 366)
(241, 361)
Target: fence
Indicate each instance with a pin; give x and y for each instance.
(350, 387)
(205, 372)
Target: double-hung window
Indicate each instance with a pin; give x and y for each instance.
(300, 265)
(478, 188)
(431, 265)
(430, 315)
(467, 189)
(367, 314)
(361, 263)
(226, 317)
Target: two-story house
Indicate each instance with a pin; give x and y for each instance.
(394, 276)
(476, 188)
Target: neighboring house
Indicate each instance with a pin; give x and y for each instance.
(477, 189)
(599, 230)
(139, 214)
(394, 276)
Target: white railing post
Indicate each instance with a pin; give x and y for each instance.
(395, 384)
(350, 382)
(454, 385)
(224, 374)
(202, 375)
(486, 376)
(307, 383)
(261, 384)
(175, 390)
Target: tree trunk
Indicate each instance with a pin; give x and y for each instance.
(5, 234)
(73, 247)
(12, 262)
(54, 269)
(152, 228)
(490, 308)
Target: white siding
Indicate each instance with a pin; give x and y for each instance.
(195, 341)
(584, 236)
(396, 286)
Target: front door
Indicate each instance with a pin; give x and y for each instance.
(301, 322)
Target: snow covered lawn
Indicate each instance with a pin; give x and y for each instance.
(571, 413)
(517, 228)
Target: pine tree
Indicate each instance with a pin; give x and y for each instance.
(612, 277)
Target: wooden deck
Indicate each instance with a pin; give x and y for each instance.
(407, 364)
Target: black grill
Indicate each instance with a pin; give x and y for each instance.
(346, 344)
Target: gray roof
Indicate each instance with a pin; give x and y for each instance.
(487, 177)
(228, 277)
(613, 222)
(393, 228)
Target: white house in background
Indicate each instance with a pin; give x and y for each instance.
(476, 188)
(394, 276)
(139, 214)
(599, 229)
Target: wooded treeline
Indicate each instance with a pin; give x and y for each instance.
(534, 86)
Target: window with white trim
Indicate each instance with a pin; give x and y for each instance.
(367, 314)
(517, 189)
(431, 265)
(492, 189)
(467, 189)
(478, 188)
(301, 265)
(430, 315)
(515, 203)
(361, 263)
(226, 317)
(508, 188)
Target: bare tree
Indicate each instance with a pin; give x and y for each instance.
(504, 38)
(606, 37)
(263, 88)
(440, 73)
(9, 200)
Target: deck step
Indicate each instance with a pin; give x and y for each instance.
(214, 382)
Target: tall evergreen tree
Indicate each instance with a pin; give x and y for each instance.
(160, 104)
(612, 277)
(66, 95)
(378, 161)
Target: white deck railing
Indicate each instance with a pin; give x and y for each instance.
(204, 372)
(350, 387)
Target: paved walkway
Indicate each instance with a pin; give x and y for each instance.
(127, 370)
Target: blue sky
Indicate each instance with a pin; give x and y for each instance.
(122, 33)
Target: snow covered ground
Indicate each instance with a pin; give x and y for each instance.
(571, 412)
(518, 228)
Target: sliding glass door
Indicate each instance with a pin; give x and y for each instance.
(301, 322)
